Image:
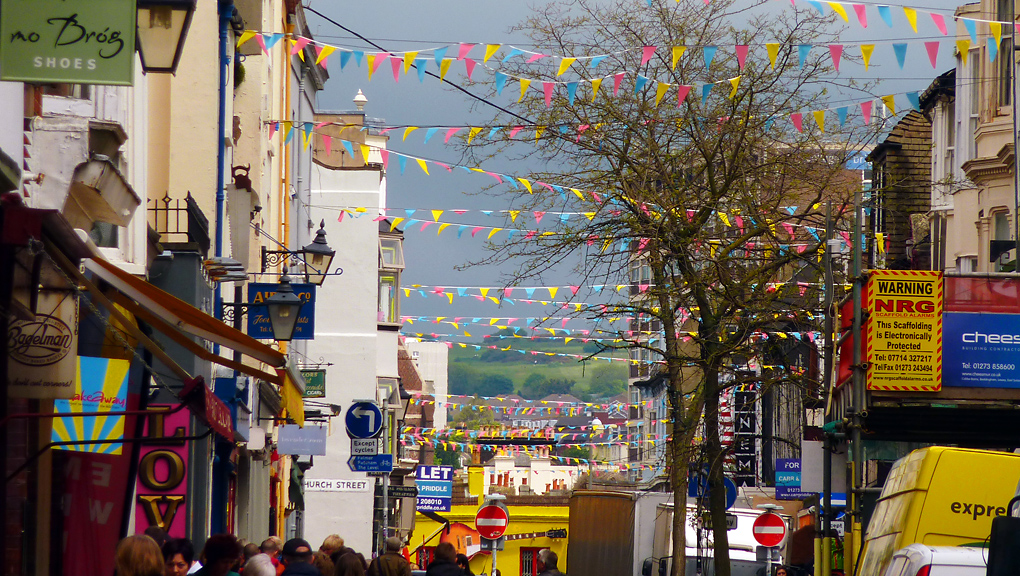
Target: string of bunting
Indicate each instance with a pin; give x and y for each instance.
(569, 460)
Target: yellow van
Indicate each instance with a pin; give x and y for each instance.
(939, 496)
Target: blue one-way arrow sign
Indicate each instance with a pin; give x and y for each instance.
(364, 420)
(375, 463)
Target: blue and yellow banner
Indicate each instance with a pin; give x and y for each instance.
(100, 386)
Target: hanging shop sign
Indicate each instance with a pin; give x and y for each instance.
(259, 325)
(163, 473)
(76, 41)
(981, 350)
(315, 383)
(101, 386)
(904, 347)
(43, 351)
(307, 441)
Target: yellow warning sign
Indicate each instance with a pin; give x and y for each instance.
(904, 330)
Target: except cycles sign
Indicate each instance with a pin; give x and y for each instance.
(79, 41)
(905, 330)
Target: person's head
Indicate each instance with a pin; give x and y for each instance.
(463, 562)
(178, 556)
(270, 546)
(250, 550)
(446, 552)
(297, 550)
(394, 544)
(781, 571)
(548, 558)
(331, 544)
(158, 534)
(322, 561)
(349, 565)
(259, 565)
(139, 555)
(220, 553)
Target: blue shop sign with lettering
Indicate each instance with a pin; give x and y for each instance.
(258, 315)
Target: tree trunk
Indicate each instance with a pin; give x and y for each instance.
(717, 487)
(679, 457)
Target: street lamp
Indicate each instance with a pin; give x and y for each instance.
(162, 27)
(318, 256)
(283, 307)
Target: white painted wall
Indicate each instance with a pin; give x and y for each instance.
(433, 361)
(12, 101)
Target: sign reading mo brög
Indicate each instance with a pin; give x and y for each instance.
(79, 41)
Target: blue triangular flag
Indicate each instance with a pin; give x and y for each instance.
(486, 212)
(817, 5)
(564, 217)
(915, 100)
(461, 291)
(993, 49)
(709, 55)
(403, 163)
(802, 53)
(530, 292)
(705, 91)
(510, 181)
(500, 82)
(886, 15)
(461, 229)
(841, 112)
(514, 52)
(509, 236)
(271, 40)
(411, 222)
(639, 83)
(971, 27)
(563, 129)
(571, 91)
(429, 133)
(493, 133)
(595, 61)
(439, 54)
(345, 57)
(358, 55)
(419, 64)
(348, 146)
(768, 124)
(409, 212)
(901, 54)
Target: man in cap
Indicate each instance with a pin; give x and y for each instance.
(297, 558)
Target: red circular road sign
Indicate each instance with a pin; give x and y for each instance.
(491, 521)
(769, 529)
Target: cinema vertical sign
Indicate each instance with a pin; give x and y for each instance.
(904, 327)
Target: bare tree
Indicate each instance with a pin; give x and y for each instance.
(715, 192)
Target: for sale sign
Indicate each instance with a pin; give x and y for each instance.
(905, 330)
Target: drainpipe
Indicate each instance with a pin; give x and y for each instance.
(226, 12)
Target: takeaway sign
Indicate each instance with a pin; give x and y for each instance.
(904, 327)
(75, 41)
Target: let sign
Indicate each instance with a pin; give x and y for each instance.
(76, 41)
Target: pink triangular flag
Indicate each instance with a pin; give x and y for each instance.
(940, 23)
(450, 133)
(327, 142)
(681, 94)
(866, 111)
(341, 217)
(515, 130)
(469, 64)
(616, 82)
(464, 49)
(933, 51)
(573, 290)
(862, 14)
(798, 121)
(538, 217)
(385, 157)
(535, 57)
(321, 61)
(262, 43)
(379, 59)
(547, 88)
(299, 44)
(646, 54)
(741, 54)
(396, 62)
(836, 51)
(273, 127)
(475, 230)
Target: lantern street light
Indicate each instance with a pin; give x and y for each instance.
(283, 307)
(318, 256)
(162, 28)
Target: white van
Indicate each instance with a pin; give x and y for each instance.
(921, 560)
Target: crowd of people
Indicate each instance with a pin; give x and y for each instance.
(154, 553)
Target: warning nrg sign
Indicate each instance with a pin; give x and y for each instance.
(904, 346)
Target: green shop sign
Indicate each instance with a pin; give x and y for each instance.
(315, 383)
(74, 41)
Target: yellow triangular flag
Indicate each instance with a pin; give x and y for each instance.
(725, 219)
(442, 227)
(880, 242)
(485, 292)
(424, 166)
(493, 232)
(490, 49)
(408, 60)
(408, 130)
(514, 214)
(472, 133)
(524, 87)
(577, 193)
(839, 9)
(436, 214)
(444, 67)
(963, 47)
(866, 51)
(890, 103)
(678, 51)
(326, 51)
(396, 222)
(820, 119)
(246, 36)
(660, 91)
(365, 149)
(449, 296)
(552, 292)
(527, 184)
(996, 28)
(735, 82)
(595, 88)
(773, 49)
(589, 215)
(565, 65)
(911, 15)
(492, 321)
(370, 59)
(538, 132)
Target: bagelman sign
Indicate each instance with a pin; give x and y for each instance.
(904, 330)
(43, 352)
(77, 41)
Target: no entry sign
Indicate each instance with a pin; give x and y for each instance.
(769, 529)
(491, 521)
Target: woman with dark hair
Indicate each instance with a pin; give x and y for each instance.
(349, 564)
(178, 556)
(443, 563)
(464, 564)
(220, 554)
